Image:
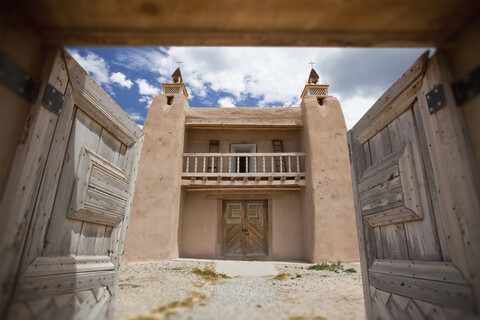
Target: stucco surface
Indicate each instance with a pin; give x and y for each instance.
(330, 232)
(287, 220)
(198, 140)
(244, 117)
(199, 231)
(154, 219)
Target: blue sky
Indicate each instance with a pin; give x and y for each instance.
(244, 76)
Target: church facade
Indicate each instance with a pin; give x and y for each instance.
(244, 183)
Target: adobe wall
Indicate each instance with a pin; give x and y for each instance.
(200, 231)
(329, 224)
(260, 116)
(198, 140)
(463, 57)
(26, 50)
(154, 221)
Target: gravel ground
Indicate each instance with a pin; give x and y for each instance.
(169, 290)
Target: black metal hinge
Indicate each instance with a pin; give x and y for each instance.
(14, 77)
(52, 98)
(467, 87)
(436, 99)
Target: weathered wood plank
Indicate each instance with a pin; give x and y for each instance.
(422, 237)
(100, 106)
(442, 271)
(456, 196)
(378, 243)
(88, 238)
(393, 102)
(109, 147)
(33, 288)
(440, 293)
(390, 199)
(365, 233)
(63, 234)
(44, 266)
(48, 189)
(380, 146)
(394, 241)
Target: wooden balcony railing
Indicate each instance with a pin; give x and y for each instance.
(249, 168)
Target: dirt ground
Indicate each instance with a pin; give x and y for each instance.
(190, 290)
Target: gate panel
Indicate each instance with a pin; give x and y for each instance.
(406, 249)
(257, 226)
(75, 241)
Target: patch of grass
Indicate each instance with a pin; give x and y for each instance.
(308, 318)
(136, 286)
(209, 274)
(334, 267)
(299, 275)
(170, 308)
(281, 276)
(144, 318)
(350, 270)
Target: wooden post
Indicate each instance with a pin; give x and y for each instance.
(298, 164)
(221, 164)
(195, 164)
(238, 164)
(188, 164)
(263, 164)
(289, 164)
(204, 164)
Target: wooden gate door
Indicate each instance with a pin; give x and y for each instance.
(75, 240)
(416, 205)
(245, 228)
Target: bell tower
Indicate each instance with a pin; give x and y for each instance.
(176, 87)
(314, 88)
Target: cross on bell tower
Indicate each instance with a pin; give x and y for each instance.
(313, 87)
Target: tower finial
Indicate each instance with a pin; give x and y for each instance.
(312, 63)
(179, 62)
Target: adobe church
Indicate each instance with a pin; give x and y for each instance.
(244, 183)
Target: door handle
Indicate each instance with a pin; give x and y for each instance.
(247, 233)
(244, 230)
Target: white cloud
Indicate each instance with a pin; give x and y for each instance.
(120, 79)
(355, 107)
(226, 102)
(136, 116)
(274, 76)
(95, 65)
(145, 88)
(99, 69)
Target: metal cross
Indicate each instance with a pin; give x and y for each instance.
(179, 62)
(312, 63)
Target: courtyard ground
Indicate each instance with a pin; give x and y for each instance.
(193, 290)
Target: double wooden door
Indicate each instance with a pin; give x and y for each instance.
(417, 207)
(245, 226)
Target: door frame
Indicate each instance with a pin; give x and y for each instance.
(221, 226)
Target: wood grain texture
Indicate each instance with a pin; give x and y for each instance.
(367, 238)
(440, 293)
(100, 106)
(63, 234)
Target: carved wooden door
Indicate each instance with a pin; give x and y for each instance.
(416, 263)
(245, 228)
(72, 253)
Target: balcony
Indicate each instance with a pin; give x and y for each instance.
(244, 169)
